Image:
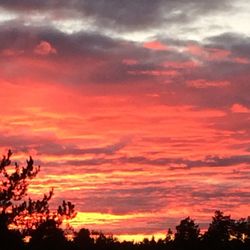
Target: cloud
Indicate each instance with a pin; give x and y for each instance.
(58, 149)
(155, 45)
(44, 48)
(89, 57)
(122, 15)
(12, 52)
(53, 146)
(237, 108)
(170, 163)
(202, 83)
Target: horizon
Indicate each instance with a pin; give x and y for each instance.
(137, 111)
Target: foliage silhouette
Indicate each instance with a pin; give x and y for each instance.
(187, 234)
(83, 240)
(187, 230)
(48, 236)
(15, 211)
(221, 227)
(9, 239)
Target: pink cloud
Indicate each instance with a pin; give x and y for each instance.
(242, 60)
(170, 73)
(181, 65)
(210, 54)
(155, 45)
(44, 48)
(215, 54)
(238, 108)
(195, 50)
(202, 83)
(12, 52)
(129, 61)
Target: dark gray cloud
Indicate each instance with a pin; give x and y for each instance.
(18, 36)
(58, 149)
(208, 161)
(236, 42)
(126, 202)
(53, 146)
(85, 56)
(122, 14)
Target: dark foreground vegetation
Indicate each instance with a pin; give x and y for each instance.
(29, 224)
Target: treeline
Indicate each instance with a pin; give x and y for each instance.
(27, 224)
(222, 233)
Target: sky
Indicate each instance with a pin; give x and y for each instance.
(137, 111)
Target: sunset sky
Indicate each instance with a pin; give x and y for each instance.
(138, 111)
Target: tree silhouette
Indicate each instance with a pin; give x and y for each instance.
(9, 239)
(187, 230)
(187, 234)
(169, 236)
(25, 215)
(221, 227)
(48, 236)
(83, 240)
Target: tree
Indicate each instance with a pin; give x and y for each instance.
(187, 230)
(240, 232)
(10, 239)
(169, 236)
(21, 214)
(221, 228)
(187, 235)
(83, 239)
(48, 236)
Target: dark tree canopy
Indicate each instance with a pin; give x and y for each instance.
(187, 230)
(26, 214)
(221, 227)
